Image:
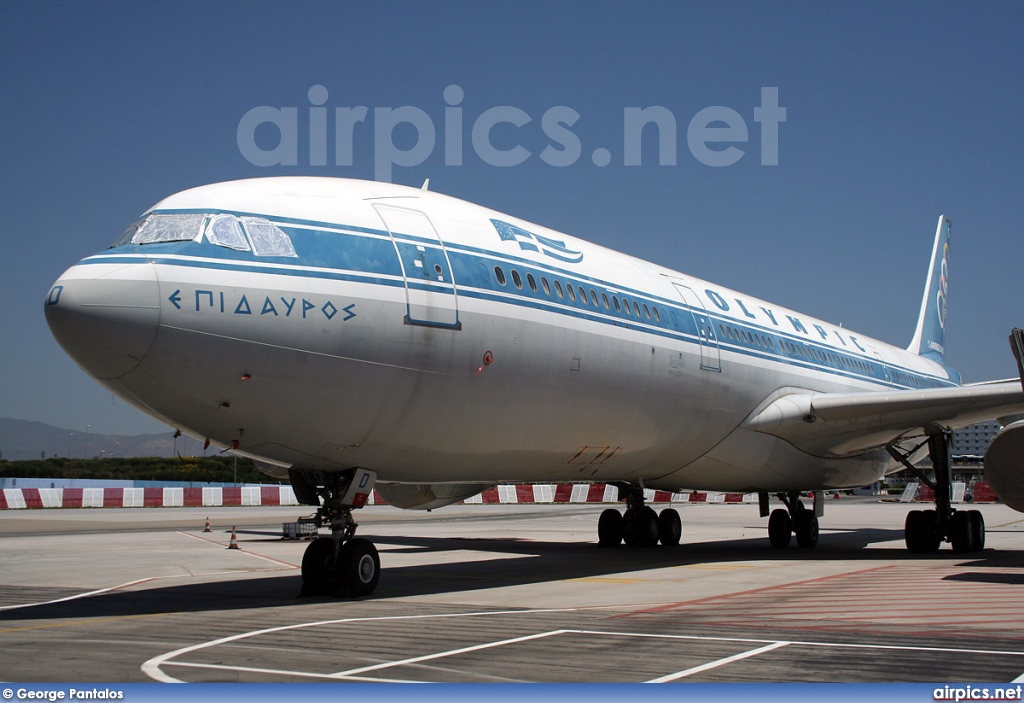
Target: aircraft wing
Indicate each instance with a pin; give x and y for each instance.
(843, 424)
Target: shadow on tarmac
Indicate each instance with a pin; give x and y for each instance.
(527, 562)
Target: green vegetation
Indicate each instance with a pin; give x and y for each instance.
(210, 469)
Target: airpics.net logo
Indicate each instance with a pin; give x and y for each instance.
(715, 136)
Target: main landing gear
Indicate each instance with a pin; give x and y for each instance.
(925, 530)
(640, 526)
(341, 564)
(795, 518)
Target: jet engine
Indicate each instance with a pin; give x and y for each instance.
(1004, 465)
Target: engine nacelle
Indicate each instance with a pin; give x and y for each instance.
(427, 496)
(1004, 465)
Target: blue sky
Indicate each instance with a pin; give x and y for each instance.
(895, 113)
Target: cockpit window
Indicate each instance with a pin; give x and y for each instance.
(225, 231)
(169, 228)
(127, 235)
(267, 239)
(256, 234)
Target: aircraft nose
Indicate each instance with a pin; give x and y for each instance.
(105, 317)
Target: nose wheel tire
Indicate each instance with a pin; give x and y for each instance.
(360, 567)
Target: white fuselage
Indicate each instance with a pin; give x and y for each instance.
(425, 338)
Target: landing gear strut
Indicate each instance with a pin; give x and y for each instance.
(925, 530)
(341, 564)
(640, 526)
(795, 518)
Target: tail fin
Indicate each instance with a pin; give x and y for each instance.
(929, 337)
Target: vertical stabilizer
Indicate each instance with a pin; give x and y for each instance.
(929, 337)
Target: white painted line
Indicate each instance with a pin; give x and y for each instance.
(151, 667)
(286, 672)
(717, 663)
(77, 595)
(124, 585)
(449, 653)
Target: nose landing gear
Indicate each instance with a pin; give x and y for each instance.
(342, 564)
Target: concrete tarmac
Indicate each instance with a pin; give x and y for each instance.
(493, 593)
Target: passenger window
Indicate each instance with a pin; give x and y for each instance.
(615, 301)
(657, 316)
(625, 307)
(583, 296)
(544, 284)
(517, 279)
(558, 289)
(647, 311)
(532, 282)
(571, 292)
(636, 308)
(500, 275)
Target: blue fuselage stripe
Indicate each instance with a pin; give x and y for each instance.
(368, 256)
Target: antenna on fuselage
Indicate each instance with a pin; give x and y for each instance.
(426, 184)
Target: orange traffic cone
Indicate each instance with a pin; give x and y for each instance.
(234, 539)
(207, 528)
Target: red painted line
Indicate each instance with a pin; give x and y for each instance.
(763, 589)
(924, 631)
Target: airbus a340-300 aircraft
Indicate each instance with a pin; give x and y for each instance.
(343, 333)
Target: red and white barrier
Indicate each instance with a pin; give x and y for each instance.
(21, 498)
(218, 496)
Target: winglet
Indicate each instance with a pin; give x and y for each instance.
(929, 336)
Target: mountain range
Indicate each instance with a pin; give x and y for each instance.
(25, 439)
